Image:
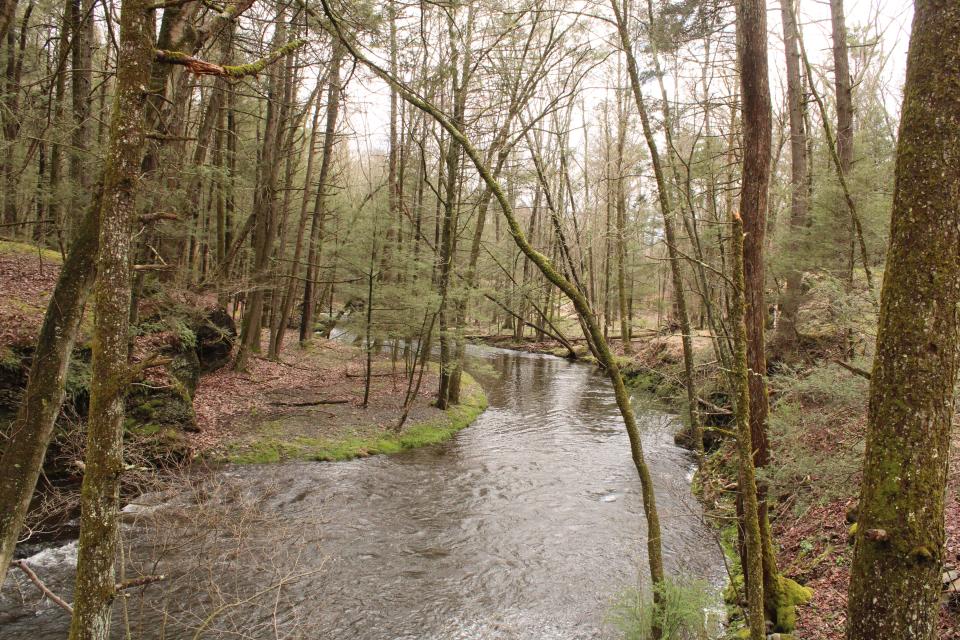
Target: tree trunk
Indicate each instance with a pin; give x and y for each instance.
(757, 128)
(81, 80)
(286, 305)
(899, 551)
(320, 210)
(40, 406)
(99, 521)
(449, 391)
(265, 205)
(621, 239)
(844, 99)
(753, 567)
(799, 194)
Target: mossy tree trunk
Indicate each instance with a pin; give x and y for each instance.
(750, 521)
(99, 521)
(899, 550)
(33, 426)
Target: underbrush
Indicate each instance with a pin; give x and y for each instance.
(683, 613)
(816, 436)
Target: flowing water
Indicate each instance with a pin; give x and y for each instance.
(526, 525)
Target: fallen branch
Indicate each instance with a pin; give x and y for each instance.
(852, 369)
(715, 408)
(63, 604)
(311, 403)
(154, 267)
(147, 218)
(138, 582)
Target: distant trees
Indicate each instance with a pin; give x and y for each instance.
(895, 582)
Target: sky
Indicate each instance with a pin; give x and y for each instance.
(368, 97)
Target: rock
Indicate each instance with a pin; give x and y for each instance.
(853, 513)
(216, 335)
(185, 369)
(152, 410)
(951, 588)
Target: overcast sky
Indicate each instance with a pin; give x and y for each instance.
(368, 102)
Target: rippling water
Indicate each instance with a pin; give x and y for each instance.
(526, 525)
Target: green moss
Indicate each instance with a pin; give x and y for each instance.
(22, 248)
(789, 596)
(261, 452)
(272, 445)
(148, 429)
(10, 359)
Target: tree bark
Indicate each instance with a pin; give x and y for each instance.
(99, 521)
(899, 549)
(757, 130)
(753, 567)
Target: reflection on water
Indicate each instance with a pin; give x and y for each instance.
(526, 525)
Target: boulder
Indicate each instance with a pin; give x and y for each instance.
(216, 336)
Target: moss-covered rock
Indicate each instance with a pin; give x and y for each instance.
(216, 335)
(790, 595)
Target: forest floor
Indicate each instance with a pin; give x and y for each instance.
(817, 430)
(309, 405)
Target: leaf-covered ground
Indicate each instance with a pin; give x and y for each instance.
(310, 405)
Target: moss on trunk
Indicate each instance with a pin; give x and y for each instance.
(895, 581)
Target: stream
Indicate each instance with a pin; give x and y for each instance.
(528, 525)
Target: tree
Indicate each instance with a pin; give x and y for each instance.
(315, 245)
(799, 189)
(844, 100)
(666, 211)
(753, 564)
(33, 425)
(99, 520)
(899, 549)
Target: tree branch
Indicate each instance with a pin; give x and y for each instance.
(204, 68)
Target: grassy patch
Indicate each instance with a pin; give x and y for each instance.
(273, 445)
(21, 248)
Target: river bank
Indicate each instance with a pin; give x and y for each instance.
(308, 405)
(817, 432)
